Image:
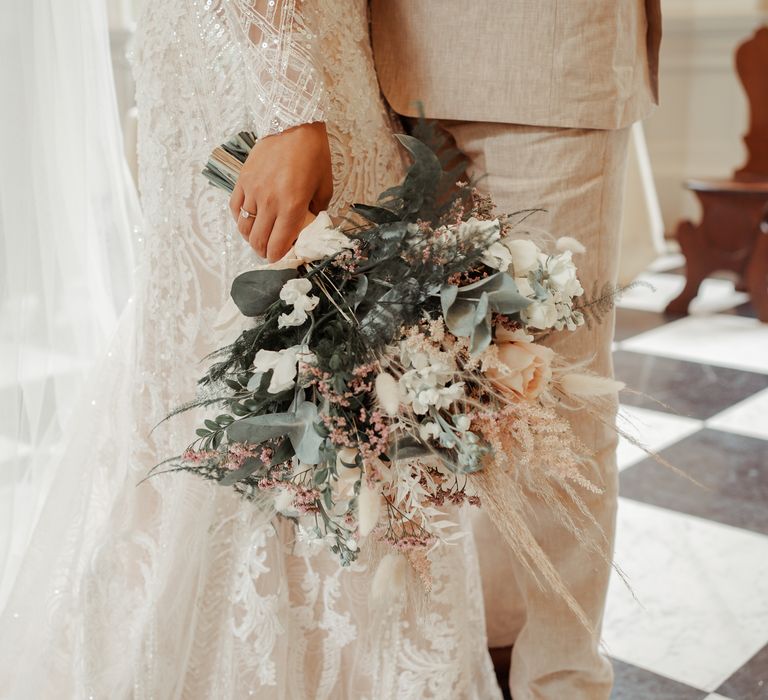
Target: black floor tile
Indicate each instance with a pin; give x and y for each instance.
(686, 388)
(750, 682)
(733, 470)
(633, 683)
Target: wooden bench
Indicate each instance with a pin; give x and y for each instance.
(733, 231)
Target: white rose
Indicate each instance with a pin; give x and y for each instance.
(320, 240)
(541, 314)
(284, 364)
(562, 274)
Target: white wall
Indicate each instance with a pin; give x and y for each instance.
(697, 131)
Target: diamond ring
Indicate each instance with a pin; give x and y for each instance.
(247, 214)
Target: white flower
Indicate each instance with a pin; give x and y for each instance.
(320, 240)
(295, 293)
(284, 364)
(284, 502)
(316, 240)
(422, 388)
(490, 231)
(498, 256)
(388, 393)
(524, 286)
(541, 314)
(562, 274)
(462, 423)
(429, 430)
(525, 255)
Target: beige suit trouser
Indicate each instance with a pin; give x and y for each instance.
(577, 176)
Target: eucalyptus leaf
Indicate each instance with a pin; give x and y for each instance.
(467, 310)
(297, 426)
(374, 214)
(409, 448)
(255, 291)
(423, 177)
(361, 289)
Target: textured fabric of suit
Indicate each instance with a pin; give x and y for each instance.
(578, 63)
(576, 176)
(539, 94)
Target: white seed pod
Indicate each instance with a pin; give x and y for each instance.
(368, 507)
(388, 393)
(567, 243)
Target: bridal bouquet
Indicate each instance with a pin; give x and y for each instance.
(389, 367)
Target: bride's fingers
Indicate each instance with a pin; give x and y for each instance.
(322, 197)
(236, 201)
(245, 223)
(284, 233)
(261, 231)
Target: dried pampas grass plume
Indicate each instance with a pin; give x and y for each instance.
(389, 580)
(567, 243)
(579, 384)
(369, 508)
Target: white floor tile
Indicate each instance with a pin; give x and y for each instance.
(715, 294)
(724, 340)
(701, 607)
(749, 417)
(653, 429)
(669, 261)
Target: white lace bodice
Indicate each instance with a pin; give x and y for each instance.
(175, 588)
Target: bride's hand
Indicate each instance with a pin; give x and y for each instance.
(284, 176)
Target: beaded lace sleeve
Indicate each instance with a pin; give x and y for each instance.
(278, 43)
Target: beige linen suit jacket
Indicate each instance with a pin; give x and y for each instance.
(568, 63)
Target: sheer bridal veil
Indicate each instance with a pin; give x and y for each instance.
(68, 220)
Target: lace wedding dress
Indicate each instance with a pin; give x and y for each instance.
(175, 588)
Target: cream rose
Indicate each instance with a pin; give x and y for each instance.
(318, 239)
(525, 366)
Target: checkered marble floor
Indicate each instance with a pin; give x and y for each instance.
(694, 625)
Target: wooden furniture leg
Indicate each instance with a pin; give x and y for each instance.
(757, 276)
(697, 267)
